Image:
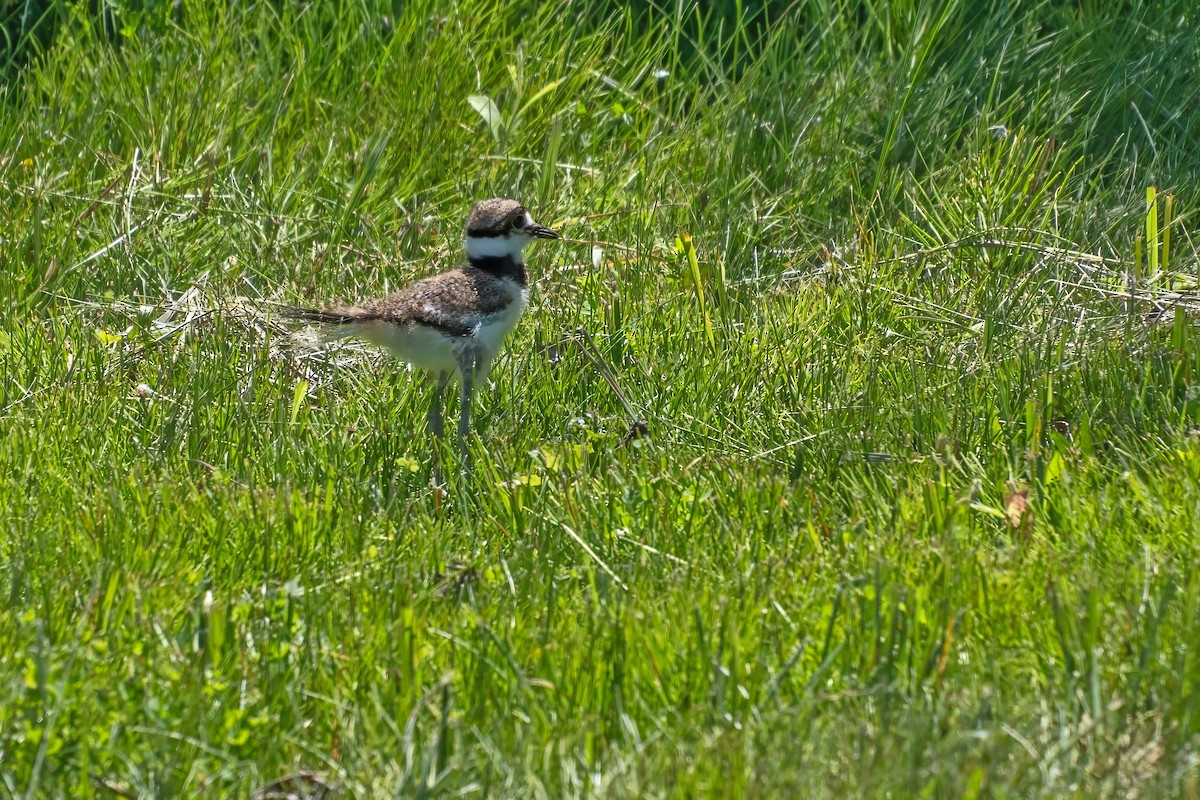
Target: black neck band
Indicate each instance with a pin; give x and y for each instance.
(502, 267)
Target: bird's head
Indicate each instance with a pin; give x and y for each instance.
(501, 228)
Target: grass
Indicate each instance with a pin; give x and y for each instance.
(915, 511)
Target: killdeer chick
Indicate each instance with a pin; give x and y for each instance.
(453, 323)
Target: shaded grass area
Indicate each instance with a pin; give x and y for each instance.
(916, 511)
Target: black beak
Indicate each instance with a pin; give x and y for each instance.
(540, 232)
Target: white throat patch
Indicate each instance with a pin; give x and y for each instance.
(497, 246)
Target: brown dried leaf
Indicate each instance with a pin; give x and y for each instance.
(1017, 511)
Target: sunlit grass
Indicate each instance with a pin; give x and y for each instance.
(915, 510)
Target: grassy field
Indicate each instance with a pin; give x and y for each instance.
(916, 512)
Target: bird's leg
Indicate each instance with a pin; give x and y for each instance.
(466, 365)
(435, 424)
(435, 408)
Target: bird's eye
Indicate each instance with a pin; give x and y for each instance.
(519, 221)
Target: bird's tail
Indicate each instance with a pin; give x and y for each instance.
(338, 315)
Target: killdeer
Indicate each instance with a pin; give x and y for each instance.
(452, 323)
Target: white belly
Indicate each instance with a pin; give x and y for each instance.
(424, 348)
(491, 331)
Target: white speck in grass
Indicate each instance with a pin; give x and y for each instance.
(999, 131)
(142, 391)
(661, 74)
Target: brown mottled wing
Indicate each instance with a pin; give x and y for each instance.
(451, 302)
